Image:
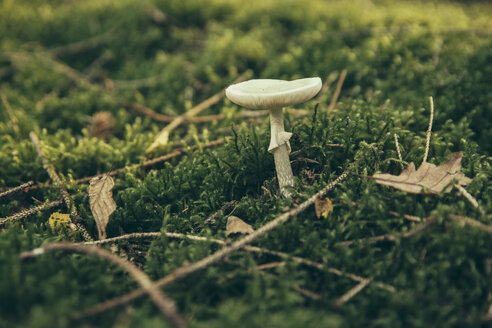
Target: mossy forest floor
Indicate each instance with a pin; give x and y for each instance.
(78, 73)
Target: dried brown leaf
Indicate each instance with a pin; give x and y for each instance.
(101, 201)
(236, 225)
(428, 179)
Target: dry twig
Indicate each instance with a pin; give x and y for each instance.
(398, 150)
(163, 136)
(327, 84)
(471, 222)
(338, 89)
(61, 187)
(81, 46)
(10, 112)
(15, 189)
(221, 254)
(162, 302)
(28, 212)
(152, 161)
(469, 197)
(354, 291)
(429, 130)
(391, 237)
(253, 249)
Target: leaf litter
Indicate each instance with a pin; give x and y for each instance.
(101, 202)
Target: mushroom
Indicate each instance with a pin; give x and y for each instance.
(274, 95)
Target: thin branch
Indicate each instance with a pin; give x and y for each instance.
(81, 46)
(471, 222)
(61, 187)
(141, 109)
(144, 110)
(10, 112)
(429, 130)
(469, 198)
(91, 70)
(150, 162)
(391, 237)
(306, 293)
(338, 89)
(64, 69)
(300, 290)
(135, 235)
(153, 161)
(271, 265)
(327, 84)
(163, 136)
(221, 254)
(253, 249)
(15, 189)
(408, 217)
(226, 209)
(165, 305)
(28, 212)
(317, 266)
(354, 291)
(398, 150)
(145, 82)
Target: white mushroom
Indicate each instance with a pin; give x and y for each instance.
(274, 95)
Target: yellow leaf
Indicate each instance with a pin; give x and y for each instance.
(59, 219)
(323, 207)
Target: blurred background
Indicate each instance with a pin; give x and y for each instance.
(168, 55)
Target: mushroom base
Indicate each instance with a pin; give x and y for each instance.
(284, 171)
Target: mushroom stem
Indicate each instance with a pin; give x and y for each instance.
(280, 148)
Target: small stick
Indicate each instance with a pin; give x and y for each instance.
(306, 293)
(28, 212)
(398, 150)
(152, 161)
(300, 290)
(162, 302)
(61, 187)
(164, 133)
(429, 129)
(327, 84)
(471, 222)
(10, 112)
(167, 119)
(91, 70)
(145, 82)
(271, 265)
(221, 254)
(338, 89)
(351, 293)
(20, 187)
(469, 197)
(80, 46)
(408, 217)
(149, 162)
(391, 237)
(223, 210)
(253, 249)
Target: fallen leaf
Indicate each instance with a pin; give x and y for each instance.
(323, 207)
(101, 201)
(236, 225)
(428, 179)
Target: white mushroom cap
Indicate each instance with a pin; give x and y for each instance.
(267, 93)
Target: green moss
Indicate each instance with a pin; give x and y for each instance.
(397, 54)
